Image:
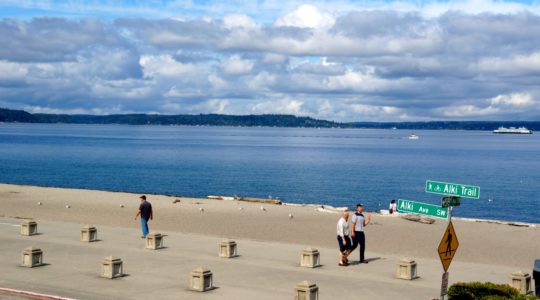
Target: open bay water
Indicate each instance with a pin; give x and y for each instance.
(337, 167)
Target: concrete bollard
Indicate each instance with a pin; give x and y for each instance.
(28, 228)
(154, 241)
(88, 234)
(200, 280)
(32, 257)
(522, 281)
(112, 267)
(310, 258)
(306, 290)
(407, 269)
(228, 249)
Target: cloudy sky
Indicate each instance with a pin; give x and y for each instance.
(340, 60)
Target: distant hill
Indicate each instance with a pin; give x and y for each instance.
(9, 115)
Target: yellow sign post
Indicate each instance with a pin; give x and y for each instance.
(448, 246)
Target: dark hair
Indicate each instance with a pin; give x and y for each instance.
(359, 205)
(143, 197)
(393, 201)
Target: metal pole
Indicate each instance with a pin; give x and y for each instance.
(442, 297)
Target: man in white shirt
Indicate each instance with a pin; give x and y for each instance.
(359, 222)
(344, 241)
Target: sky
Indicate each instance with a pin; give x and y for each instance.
(338, 60)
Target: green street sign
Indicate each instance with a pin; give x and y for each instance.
(448, 201)
(408, 206)
(454, 189)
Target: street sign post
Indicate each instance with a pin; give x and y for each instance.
(449, 201)
(454, 189)
(444, 284)
(448, 246)
(408, 206)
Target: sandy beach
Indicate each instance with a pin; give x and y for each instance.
(488, 251)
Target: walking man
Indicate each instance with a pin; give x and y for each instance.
(145, 211)
(359, 222)
(343, 239)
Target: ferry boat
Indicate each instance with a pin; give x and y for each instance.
(413, 136)
(512, 130)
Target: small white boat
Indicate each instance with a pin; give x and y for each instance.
(413, 137)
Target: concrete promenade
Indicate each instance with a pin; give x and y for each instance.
(263, 270)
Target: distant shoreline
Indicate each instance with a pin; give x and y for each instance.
(265, 120)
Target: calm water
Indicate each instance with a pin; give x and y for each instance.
(328, 166)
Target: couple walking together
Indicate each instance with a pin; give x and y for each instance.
(345, 232)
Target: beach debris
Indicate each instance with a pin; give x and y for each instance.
(39, 203)
(519, 224)
(411, 217)
(290, 216)
(418, 218)
(326, 210)
(240, 208)
(260, 200)
(262, 208)
(426, 220)
(122, 205)
(67, 206)
(176, 201)
(201, 209)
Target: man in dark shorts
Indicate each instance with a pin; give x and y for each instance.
(343, 239)
(145, 211)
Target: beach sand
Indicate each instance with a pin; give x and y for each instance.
(487, 251)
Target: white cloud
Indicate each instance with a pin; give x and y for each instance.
(272, 58)
(437, 8)
(76, 111)
(515, 103)
(235, 21)
(466, 111)
(514, 66)
(337, 60)
(235, 65)
(262, 81)
(216, 106)
(279, 106)
(12, 70)
(308, 16)
(164, 65)
(517, 99)
(217, 82)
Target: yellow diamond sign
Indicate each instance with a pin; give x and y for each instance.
(448, 246)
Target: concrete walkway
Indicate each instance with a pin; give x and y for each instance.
(262, 271)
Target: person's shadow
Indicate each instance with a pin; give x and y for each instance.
(356, 262)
